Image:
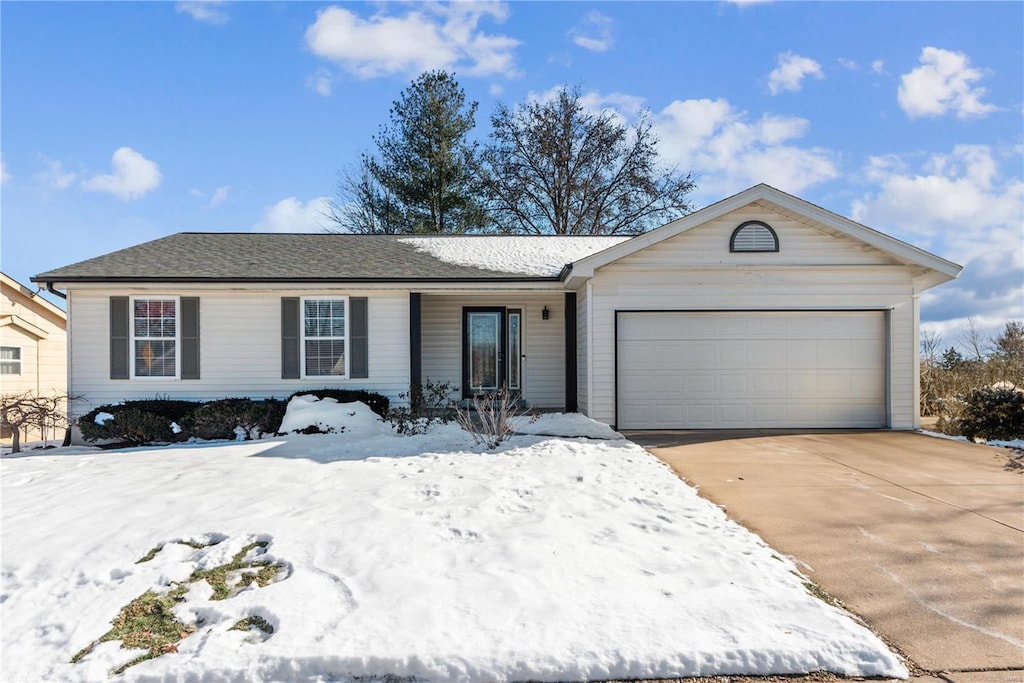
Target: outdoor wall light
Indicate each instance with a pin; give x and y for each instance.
(545, 314)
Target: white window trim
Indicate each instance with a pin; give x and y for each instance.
(302, 338)
(132, 337)
(20, 361)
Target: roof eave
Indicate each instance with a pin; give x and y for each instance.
(48, 278)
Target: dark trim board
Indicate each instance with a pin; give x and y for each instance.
(870, 309)
(571, 400)
(415, 339)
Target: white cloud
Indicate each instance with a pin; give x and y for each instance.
(219, 195)
(133, 176)
(320, 82)
(54, 176)
(594, 33)
(431, 36)
(792, 69)
(943, 83)
(292, 215)
(496, 89)
(961, 206)
(729, 152)
(5, 175)
(207, 11)
(847, 63)
(878, 66)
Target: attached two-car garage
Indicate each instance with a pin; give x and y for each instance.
(743, 369)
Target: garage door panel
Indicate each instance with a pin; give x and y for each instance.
(722, 370)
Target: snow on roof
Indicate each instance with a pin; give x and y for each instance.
(529, 255)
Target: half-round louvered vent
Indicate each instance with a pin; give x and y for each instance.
(754, 236)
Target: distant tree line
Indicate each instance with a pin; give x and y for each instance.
(549, 166)
(982, 380)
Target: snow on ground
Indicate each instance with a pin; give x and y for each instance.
(544, 256)
(550, 559)
(564, 424)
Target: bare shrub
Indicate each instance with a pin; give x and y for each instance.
(489, 417)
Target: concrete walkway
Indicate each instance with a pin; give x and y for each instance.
(922, 537)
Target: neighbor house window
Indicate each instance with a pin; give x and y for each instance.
(323, 337)
(754, 236)
(10, 360)
(155, 337)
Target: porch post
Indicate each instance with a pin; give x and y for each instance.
(571, 405)
(415, 341)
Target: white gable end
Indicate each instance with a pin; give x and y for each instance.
(800, 244)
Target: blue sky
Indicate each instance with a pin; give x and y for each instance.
(122, 122)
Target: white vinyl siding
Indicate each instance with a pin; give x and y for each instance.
(543, 363)
(240, 346)
(581, 350)
(737, 370)
(814, 271)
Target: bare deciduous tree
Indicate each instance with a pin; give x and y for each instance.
(557, 167)
(31, 410)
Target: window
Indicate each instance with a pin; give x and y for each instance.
(754, 236)
(155, 337)
(10, 360)
(323, 337)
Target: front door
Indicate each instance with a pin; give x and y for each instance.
(491, 350)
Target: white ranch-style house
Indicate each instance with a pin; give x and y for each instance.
(759, 311)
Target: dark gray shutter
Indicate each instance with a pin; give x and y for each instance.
(119, 341)
(290, 337)
(189, 337)
(359, 362)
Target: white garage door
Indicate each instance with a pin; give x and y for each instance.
(748, 370)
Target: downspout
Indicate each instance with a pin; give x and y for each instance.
(51, 290)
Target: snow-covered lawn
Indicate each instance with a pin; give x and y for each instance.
(551, 559)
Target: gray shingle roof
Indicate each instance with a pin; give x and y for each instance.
(282, 257)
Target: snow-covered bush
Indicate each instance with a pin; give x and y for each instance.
(308, 414)
(219, 419)
(378, 403)
(991, 413)
(138, 422)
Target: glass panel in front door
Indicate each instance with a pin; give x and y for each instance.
(484, 350)
(514, 351)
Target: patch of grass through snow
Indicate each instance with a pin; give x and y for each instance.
(819, 592)
(148, 621)
(253, 623)
(227, 579)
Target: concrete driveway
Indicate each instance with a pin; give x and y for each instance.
(922, 537)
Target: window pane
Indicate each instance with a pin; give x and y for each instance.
(513, 351)
(154, 358)
(10, 353)
(484, 342)
(325, 357)
(324, 318)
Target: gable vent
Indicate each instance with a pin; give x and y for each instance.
(754, 236)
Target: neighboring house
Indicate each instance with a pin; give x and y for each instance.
(33, 346)
(761, 310)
